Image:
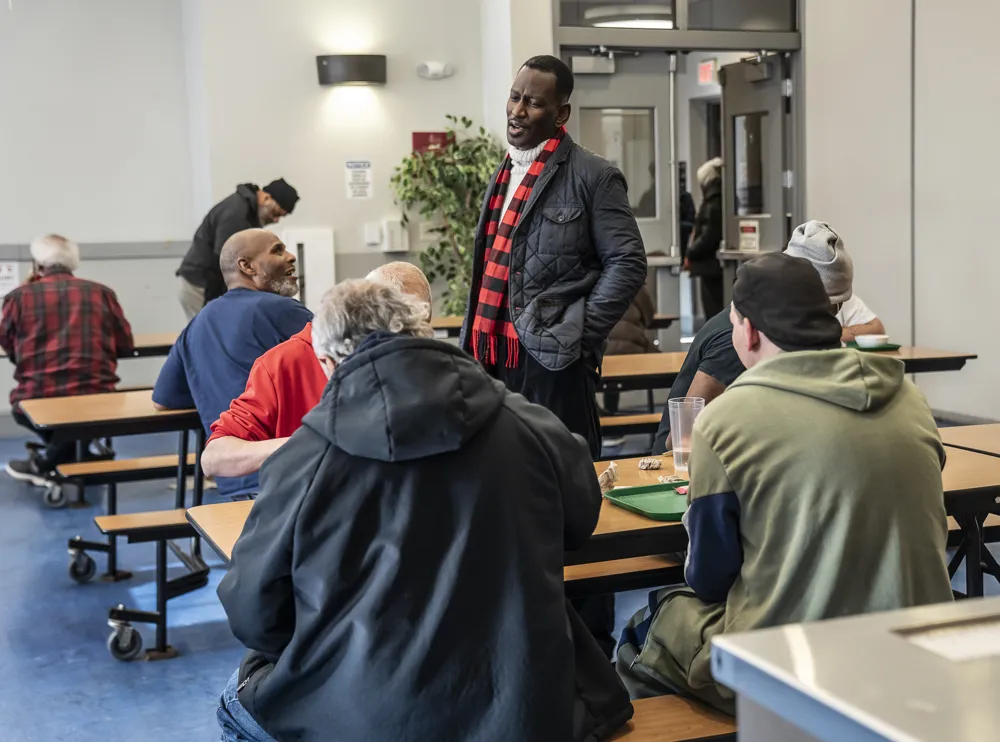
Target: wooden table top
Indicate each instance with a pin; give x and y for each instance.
(222, 523)
(447, 322)
(981, 438)
(614, 519)
(94, 408)
(155, 339)
(907, 353)
(642, 364)
(967, 470)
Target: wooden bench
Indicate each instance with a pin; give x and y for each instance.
(618, 575)
(82, 566)
(159, 526)
(630, 424)
(673, 719)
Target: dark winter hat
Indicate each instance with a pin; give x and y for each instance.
(284, 194)
(784, 298)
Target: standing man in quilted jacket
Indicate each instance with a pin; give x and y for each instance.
(558, 257)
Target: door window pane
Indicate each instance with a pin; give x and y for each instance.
(624, 136)
(617, 14)
(741, 15)
(750, 152)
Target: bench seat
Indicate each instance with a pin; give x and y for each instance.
(125, 470)
(673, 719)
(149, 525)
(630, 424)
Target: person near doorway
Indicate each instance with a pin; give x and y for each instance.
(64, 336)
(199, 278)
(701, 260)
(558, 257)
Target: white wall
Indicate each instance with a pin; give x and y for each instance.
(957, 266)
(93, 141)
(268, 116)
(857, 147)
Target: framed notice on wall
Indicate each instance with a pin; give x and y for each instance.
(10, 277)
(749, 234)
(360, 183)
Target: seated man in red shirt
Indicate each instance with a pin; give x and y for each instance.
(284, 384)
(64, 336)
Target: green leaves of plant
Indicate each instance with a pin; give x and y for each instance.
(446, 187)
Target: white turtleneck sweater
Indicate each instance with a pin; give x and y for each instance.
(520, 161)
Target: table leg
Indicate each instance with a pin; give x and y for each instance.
(199, 483)
(973, 555)
(181, 468)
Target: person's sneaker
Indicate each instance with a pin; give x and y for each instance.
(613, 442)
(26, 471)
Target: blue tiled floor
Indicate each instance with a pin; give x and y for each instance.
(57, 680)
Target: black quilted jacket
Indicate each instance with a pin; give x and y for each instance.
(577, 260)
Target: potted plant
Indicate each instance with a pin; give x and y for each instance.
(446, 186)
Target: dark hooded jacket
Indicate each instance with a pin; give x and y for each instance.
(400, 575)
(236, 212)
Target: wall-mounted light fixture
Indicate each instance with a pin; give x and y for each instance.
(351, 69)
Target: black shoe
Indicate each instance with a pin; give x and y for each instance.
(26, 471)
(97, 451)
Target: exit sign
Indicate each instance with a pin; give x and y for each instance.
(707, 72)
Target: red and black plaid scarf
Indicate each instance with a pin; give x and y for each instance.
(493, 309)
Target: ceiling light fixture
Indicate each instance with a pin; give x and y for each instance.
(659, 17)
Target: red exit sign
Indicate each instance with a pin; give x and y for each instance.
(424, 141)
(706, 72)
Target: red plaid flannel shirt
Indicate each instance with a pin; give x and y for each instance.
(64, 335)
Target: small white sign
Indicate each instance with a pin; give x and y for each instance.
(749, 234)
(359, 179)
(10, 277)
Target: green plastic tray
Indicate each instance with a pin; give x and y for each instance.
(656, 501)
(876, 349)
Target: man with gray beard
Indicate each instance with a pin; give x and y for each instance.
(208, 366)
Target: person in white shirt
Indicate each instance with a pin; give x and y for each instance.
(816, 242)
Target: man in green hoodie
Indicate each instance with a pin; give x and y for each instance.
(815, 490)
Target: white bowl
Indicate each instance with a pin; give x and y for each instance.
(871, 341)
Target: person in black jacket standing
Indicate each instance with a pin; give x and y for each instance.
(400, 576)
(558, 257)
(700, 258)
(249, 207)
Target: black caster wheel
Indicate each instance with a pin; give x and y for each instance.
(125, 643)
(82, 567)
(54, 496)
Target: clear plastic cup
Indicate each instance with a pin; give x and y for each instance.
(683, 411)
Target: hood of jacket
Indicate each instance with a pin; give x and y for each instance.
(401, 398)
(848, 378)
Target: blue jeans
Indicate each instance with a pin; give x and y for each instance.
(236, 722)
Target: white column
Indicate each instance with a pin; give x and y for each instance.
(512, 31)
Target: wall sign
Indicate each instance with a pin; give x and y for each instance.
(707, 72)
(431, 140)
(749, 234)
(359, 178)
(10, 277)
